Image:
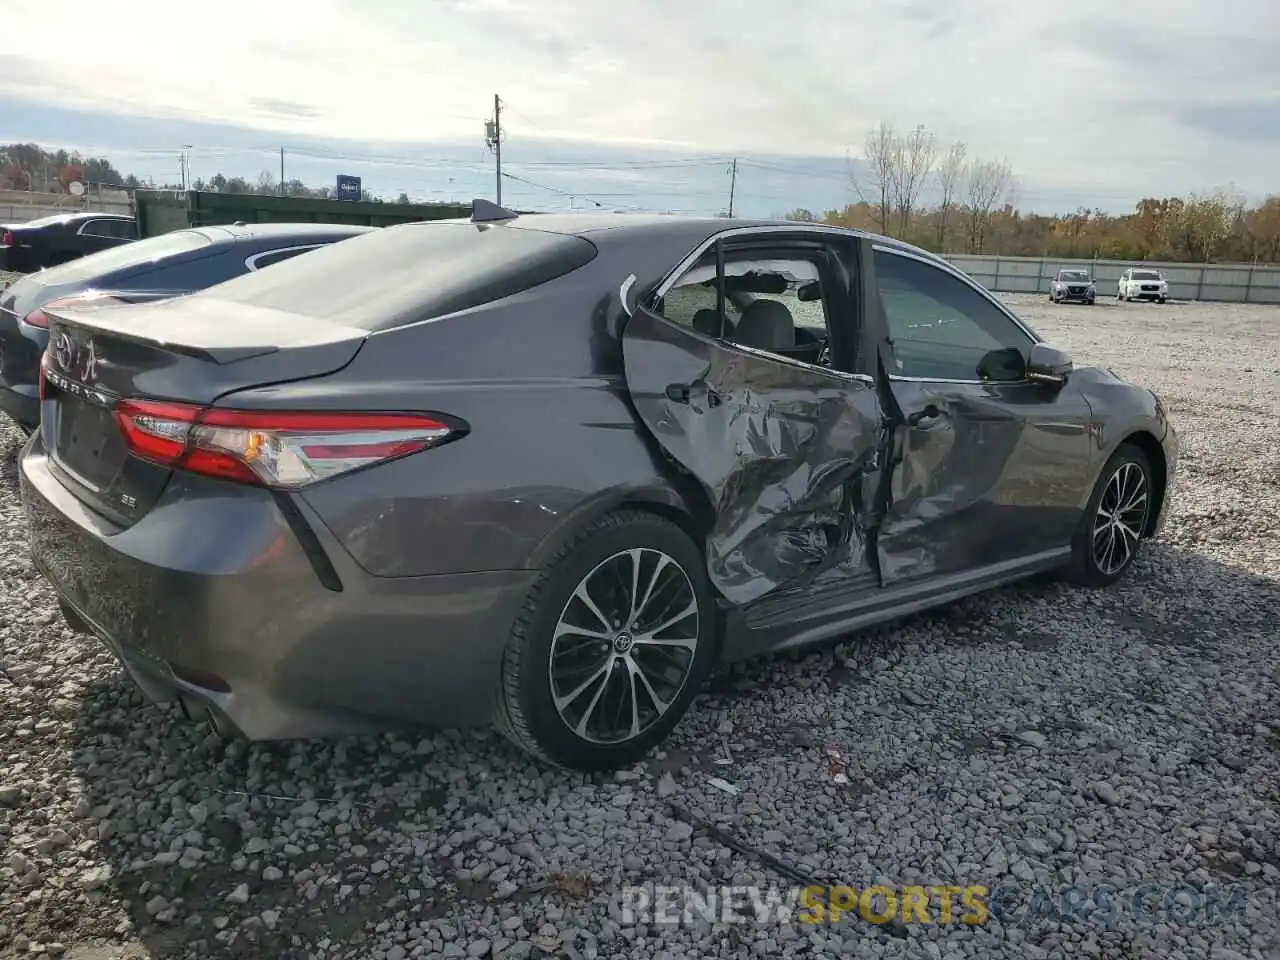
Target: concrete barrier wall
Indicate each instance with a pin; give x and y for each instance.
(17, 206)
(1231, 283)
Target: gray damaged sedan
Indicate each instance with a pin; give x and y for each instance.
(546, 471)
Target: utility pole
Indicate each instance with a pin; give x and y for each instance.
(493, 137)
(282, 171)
(733, 183)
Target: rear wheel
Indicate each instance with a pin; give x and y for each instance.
(611, 647)
(1112, 527)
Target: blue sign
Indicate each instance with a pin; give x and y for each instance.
(348, 187)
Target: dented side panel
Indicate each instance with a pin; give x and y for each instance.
(784, 452)
(997, 474)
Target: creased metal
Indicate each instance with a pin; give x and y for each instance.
(782, 451)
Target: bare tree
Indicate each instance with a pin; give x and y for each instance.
(880, 154)
(950, 171)
(913, 157)
(988, 184)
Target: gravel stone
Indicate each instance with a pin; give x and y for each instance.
(1040, 734)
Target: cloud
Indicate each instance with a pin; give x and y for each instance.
(1099, 96)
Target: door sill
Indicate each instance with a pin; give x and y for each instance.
(799, 604)
(866, 608)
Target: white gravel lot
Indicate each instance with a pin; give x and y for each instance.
(1041, 735)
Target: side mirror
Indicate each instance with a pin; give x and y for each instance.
(1048, 364)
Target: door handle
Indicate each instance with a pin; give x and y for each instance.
(688, 392)
(931, 412)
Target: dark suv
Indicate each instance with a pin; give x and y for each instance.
(49, 241)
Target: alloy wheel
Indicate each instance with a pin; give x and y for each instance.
(624, 645)
(1120, 519)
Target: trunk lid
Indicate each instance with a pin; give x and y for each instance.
(191, 349)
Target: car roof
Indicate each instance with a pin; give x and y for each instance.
(680, 231)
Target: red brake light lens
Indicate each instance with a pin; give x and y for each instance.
(281, 450)
(38, 317)
(6, 238)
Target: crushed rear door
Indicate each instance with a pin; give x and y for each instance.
(785, 452)
(190, 350)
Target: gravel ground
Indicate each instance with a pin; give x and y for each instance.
(1036, 736)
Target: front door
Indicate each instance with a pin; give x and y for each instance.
(989, 467)
(762, 411)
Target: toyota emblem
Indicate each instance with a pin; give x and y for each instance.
(65, 352)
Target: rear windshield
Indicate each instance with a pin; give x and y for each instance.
(135, 254)
(411, 272)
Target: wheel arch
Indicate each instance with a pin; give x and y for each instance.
(666, 500)
(1146, 441)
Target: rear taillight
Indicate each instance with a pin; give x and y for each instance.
(6, 238)
(272, 449)
(38, 317)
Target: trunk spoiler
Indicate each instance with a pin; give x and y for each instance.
(216, 331)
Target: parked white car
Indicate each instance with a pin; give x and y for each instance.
(1142, 283)
(1072, 285)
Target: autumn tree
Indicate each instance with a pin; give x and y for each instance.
(1262, 231)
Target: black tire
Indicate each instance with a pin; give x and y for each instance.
(527, 713)
(1086, 568)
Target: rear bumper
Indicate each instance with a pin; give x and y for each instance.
(20, 350)
(17, 259)
(23, 408)
(211, 598)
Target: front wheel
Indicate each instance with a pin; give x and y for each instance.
(1115, 522)
(611, 647)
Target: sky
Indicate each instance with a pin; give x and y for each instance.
(645, 104)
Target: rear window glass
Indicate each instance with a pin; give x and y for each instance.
(135, 254)
(411, 272)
